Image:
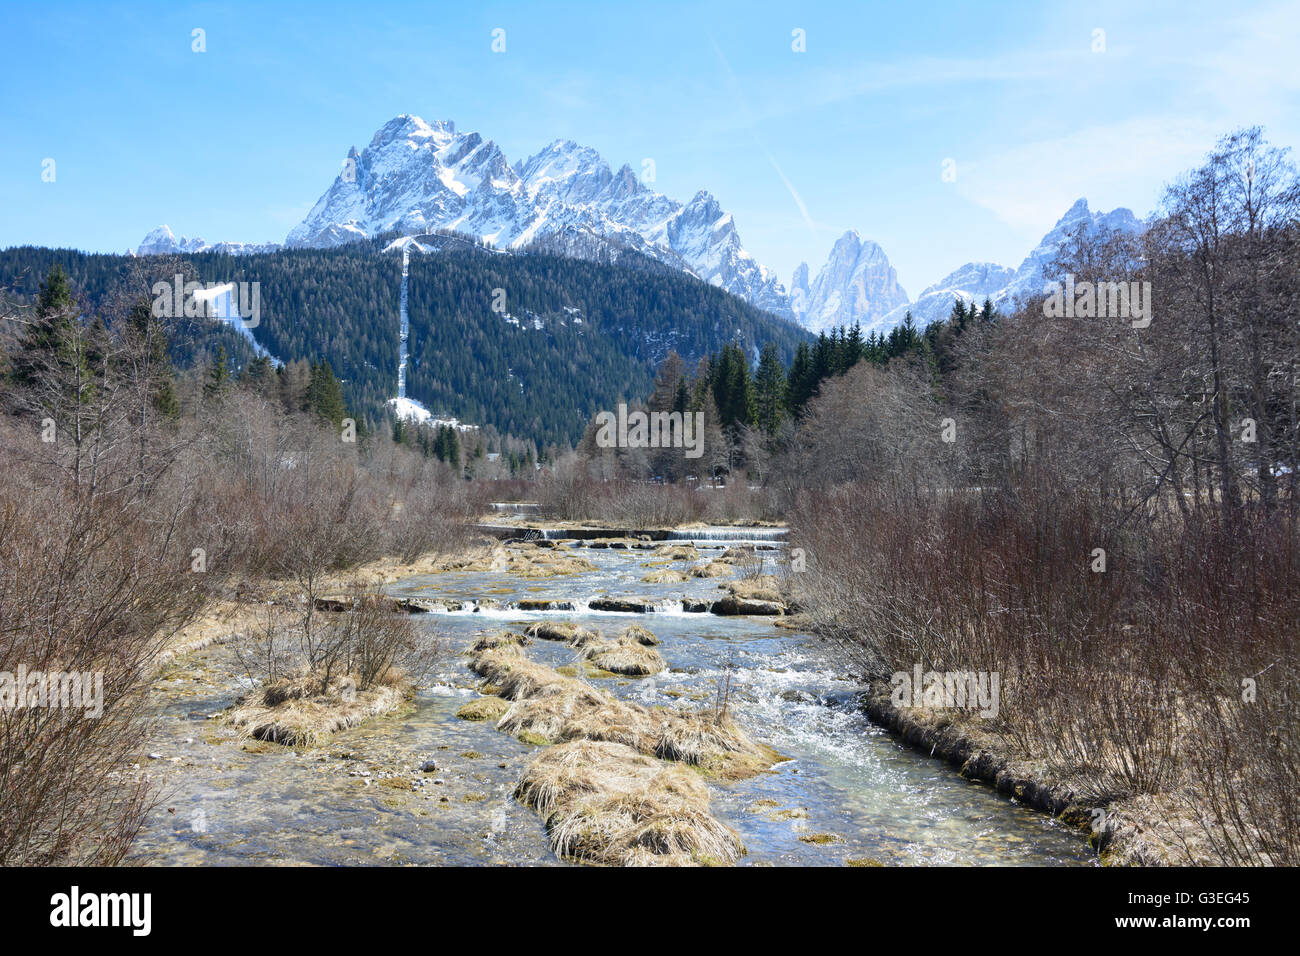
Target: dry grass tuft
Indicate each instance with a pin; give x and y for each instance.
(300, 712)
(666, 576)
(606, 803)
(715, 745)
(524, 562)
(500, 639)
(568, 709)
(556, 631)
(513, 675)
(546, 713)
(624, 656)
(585, 637)
(549, 706)
(635, 632)
(605, 793)
(737, 554)
(762, 588)
(677, 552)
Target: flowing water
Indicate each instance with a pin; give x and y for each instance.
(847, 788)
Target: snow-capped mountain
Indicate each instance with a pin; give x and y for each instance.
(977, 281)
(856, 285)
(1032, 274)
(417, 177)
(973, 282)
(162, 242)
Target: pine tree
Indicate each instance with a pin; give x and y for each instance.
(988, 314)
(682, 396)
(733, 388)
(258, 374)
(50, 340)
(770, 389)
(150, 349)
(957, 317)
(667, 382)
(324, 394)
(823, 361)
(218, 380)
(801, 383)
(852, 347)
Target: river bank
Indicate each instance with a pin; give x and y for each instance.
(422, 785)
(1142, 831)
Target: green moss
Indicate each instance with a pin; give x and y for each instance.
(255, 746)
(536, 740)
(862, 861)
(470, 754)
(796, 813)
(819, 839)
(485, 708)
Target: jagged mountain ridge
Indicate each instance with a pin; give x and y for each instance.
(415, 177)
(856, 285)
(162, 241)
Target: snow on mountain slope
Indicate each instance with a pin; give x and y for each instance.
(1031, 276)
(973, 282)
(219, 304)
(417, 177)
(411, 410)
(856, 285)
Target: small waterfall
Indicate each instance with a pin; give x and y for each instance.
(747, 535)
(669, 607)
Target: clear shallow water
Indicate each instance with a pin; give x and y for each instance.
(846, 781)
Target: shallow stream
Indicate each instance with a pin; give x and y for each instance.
(848, 792)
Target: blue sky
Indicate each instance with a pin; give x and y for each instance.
(237, 143)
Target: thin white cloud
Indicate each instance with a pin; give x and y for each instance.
(798, 201)
(751, 125)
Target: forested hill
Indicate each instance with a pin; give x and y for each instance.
(532, 343)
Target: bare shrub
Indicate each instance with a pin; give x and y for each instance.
(91, 588)
(569, 492)
(369, 641)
